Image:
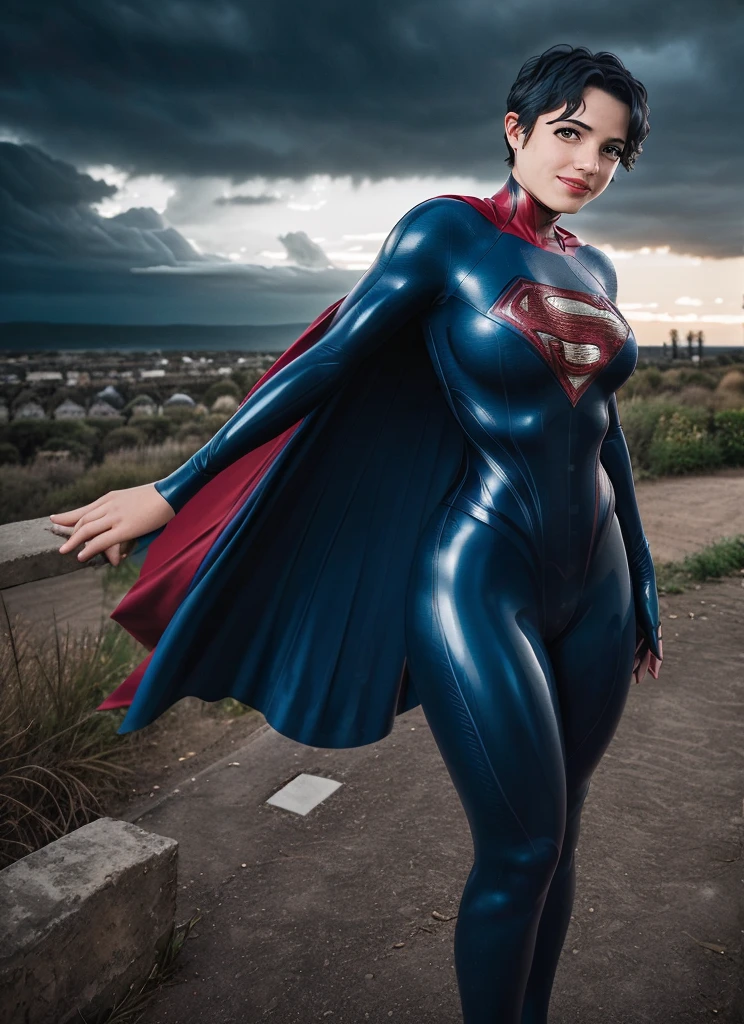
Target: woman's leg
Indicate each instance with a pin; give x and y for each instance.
(593, 661)
(486, 687)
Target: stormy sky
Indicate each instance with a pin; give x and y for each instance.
(241, 162)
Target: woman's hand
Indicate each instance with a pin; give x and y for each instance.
(645, 660)
(113, 521)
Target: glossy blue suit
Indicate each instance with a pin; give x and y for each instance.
(525, 590)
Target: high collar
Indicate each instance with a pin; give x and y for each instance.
(524, 215)
(518, 212)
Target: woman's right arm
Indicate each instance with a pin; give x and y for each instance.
(408, 275)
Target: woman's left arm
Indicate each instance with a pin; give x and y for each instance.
(615, 458)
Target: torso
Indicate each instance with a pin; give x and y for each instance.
(528, 349)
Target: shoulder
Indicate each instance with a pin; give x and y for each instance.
(601, 266)
(437, 232)
(431, 219)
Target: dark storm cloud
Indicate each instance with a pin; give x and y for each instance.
(46, 217)
(245, 200)
(61, 260)
(240, 89)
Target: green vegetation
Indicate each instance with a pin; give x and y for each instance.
(724, 558)
(684, 420)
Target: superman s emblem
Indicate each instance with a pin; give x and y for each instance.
(576, 333)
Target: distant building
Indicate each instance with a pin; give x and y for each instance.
(77, 378)
(112, 396)
(29, 411)
(179, 399)
(151, 373)
(102, 409)
(34, 376)
(224, 370)
(69, 410)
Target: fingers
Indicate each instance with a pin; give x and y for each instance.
(90, 529)
(89, 517)
(100, 543)
(654, 665)
(71, 517)
(114, 554)
(641, 668)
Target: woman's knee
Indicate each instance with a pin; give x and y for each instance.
(513, 877)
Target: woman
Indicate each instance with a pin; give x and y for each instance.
(473, 485)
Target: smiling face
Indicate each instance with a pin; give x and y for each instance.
(585, 147)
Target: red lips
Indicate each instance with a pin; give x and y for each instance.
(576, 182)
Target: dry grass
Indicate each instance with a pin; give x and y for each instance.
(60, 760)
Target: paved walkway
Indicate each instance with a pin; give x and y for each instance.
(347, 914)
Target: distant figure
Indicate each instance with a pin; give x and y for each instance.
(665, 348)
(690, 339)
(700, 344)
(674, 337)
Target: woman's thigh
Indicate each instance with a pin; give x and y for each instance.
(593, 659)
(486, 685)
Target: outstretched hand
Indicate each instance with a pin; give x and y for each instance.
(112, 522)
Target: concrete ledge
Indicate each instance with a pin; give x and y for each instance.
(30, 551)
(82, 920)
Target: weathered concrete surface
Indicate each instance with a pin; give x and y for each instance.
(303, 917)
(82, 919)
(30, 551)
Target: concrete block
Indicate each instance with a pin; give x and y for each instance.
(82, 920)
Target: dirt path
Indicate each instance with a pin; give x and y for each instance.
(683, 514)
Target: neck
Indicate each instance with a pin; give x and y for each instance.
(525, 213)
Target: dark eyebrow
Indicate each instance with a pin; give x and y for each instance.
(586, 127)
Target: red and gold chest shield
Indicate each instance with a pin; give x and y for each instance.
(576, 333)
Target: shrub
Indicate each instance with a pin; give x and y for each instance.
(696, 397)
(733, 380)
(729, 429)
(639, 418)
(9, 454)
(220, 388)
(123, 437)
(155, 428)
(30, 435)
(683, 443)
(723, 558)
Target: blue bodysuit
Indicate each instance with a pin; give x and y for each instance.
(530, 576)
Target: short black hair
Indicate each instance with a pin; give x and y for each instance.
(560, 75)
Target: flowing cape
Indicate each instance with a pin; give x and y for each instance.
(282, 582)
